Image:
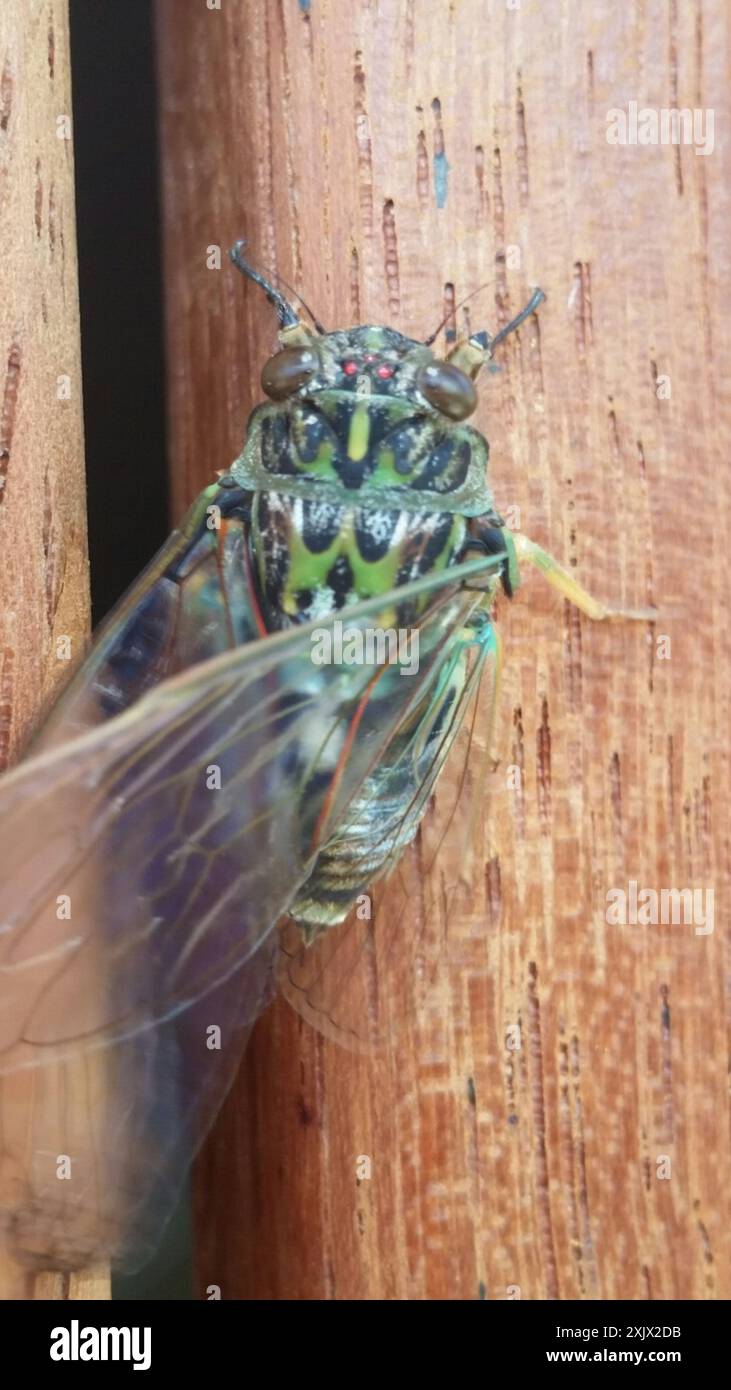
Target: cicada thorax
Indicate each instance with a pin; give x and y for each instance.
(314, 558)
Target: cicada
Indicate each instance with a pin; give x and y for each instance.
(236, 763)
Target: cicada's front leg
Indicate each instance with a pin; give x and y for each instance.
(489, 535)
(561, 579)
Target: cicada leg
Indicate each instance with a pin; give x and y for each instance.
(562, 580)
(496, 647)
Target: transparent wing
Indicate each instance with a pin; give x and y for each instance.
(152, 858)
(193, 601)
(362, 981)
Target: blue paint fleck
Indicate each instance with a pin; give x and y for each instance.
(441, 173)
(304, 6)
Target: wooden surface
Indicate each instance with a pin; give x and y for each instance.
(329, 135)
(44, 595)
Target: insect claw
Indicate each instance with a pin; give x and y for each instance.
(640, 615)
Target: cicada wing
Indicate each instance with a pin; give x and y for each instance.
(94, 1156)
(135, 895)
(193, 601)
(151, 859)
(360, 982)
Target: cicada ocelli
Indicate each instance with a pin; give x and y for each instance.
(238, 760)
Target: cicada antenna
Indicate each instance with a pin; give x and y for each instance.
(489, 344)
(285, 313)
(319, 327)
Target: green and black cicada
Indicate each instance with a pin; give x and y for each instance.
(250, 745)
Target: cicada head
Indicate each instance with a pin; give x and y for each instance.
(369, 407)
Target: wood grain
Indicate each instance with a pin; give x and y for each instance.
(44, 591)
(388, 158)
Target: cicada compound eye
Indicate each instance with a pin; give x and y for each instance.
(448, 389)
(287, 370)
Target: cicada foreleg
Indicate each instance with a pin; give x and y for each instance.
(562, 580)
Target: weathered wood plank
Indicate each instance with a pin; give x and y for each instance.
(44, 590)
